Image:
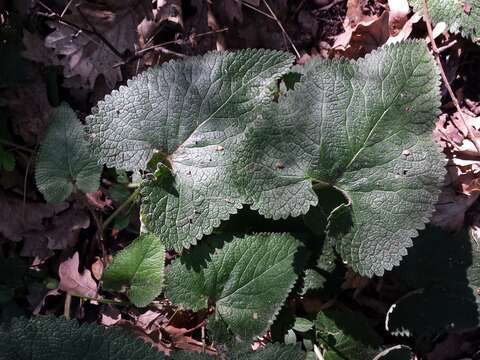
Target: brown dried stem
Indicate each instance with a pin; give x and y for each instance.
(436, 52)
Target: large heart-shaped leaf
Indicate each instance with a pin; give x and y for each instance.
(65, 162)
(363, 128)
(193, 113)
(247, 279)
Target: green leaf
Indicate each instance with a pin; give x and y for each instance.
(193, 113)
(139, 268)
(346, 335)
(460, 16)
(45, 338)
(302, 325)
(247, 279)
(445, 271)
(398, 352)
(65, 162)
(363, 128)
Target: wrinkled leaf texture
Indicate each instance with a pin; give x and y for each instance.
(246, 278)
(363, 127)
(460, 16)
(65, 162)
(46, 338)
(139, 268)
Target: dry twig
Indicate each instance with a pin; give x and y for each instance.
(283, 29)
(436, 52)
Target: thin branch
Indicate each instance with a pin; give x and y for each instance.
(329, 6)
(127, 202)
(100, 36)
(250, 6)
(16, 146)
(99, 300)
(436, 52)
(448, 46)
(161, 46)
(66, 9)
(55, 17)
(282, 28)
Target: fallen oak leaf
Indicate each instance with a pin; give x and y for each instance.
(72, 282)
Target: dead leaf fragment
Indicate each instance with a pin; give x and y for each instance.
(97, 268)
(110, 315)
(85, 54)
(364, 33)
(462, 184)
(71, 281)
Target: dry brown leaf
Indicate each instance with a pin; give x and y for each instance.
(399, 10)
(30, 218)
(97, 268)
(365, 33)
(181, 340)
(99, 200)
(60, 232)
(110, 315)
(85, 54)
(462, 184)
(73, 282)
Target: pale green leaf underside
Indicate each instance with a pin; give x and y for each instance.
(65, 161)
(195, 112)
(139, 268)
(247, 279)
(461, 16)
(365, 128)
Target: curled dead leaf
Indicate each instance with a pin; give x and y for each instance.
(71, 281)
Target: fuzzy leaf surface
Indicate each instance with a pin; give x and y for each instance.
(247, 279)
(194, 113)
(460, 16)
(139, 267)
(65, 161)
(363, 127)
(45, 338)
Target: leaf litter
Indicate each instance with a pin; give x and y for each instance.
(316, 28)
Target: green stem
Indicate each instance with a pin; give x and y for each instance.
(102, 301)
(127, 202)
